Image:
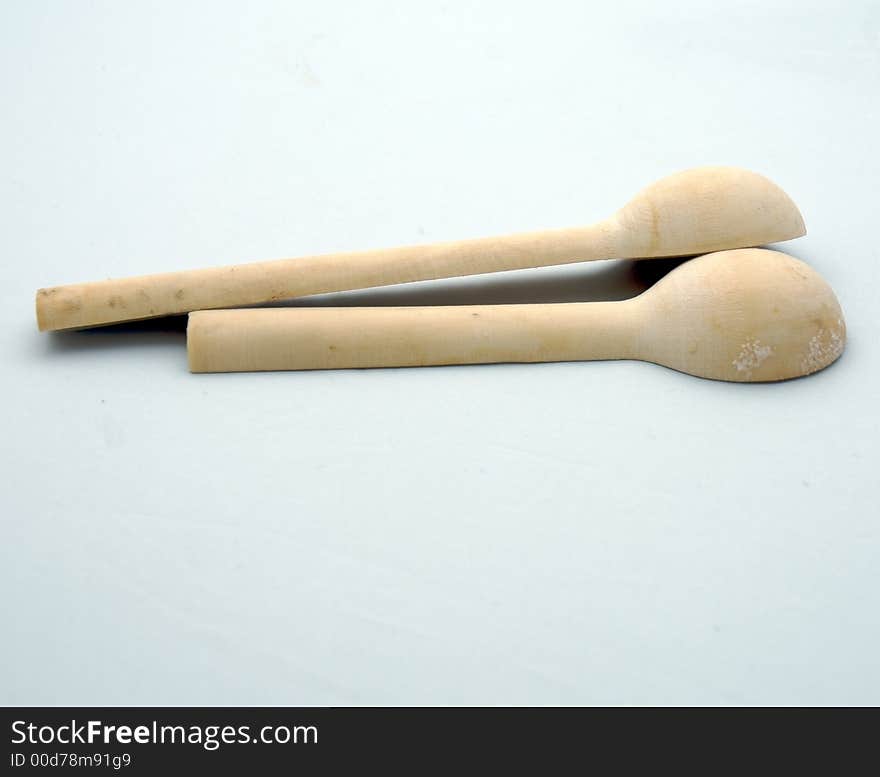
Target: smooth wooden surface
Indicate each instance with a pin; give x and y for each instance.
(695, 211)
(743, 315)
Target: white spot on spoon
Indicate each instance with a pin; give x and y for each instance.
(824, 347)
(751, 356)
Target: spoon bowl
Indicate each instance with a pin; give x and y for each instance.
(748, 315)
(706, 209)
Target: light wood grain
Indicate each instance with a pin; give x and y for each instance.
(744, 315)
(696, 211)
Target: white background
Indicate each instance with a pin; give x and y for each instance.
(570, 533)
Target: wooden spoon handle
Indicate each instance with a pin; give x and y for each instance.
(332, 338)
(129, 299)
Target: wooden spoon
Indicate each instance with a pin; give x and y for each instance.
(693, 212)
(745, 315)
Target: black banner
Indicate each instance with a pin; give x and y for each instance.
(256, 739)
